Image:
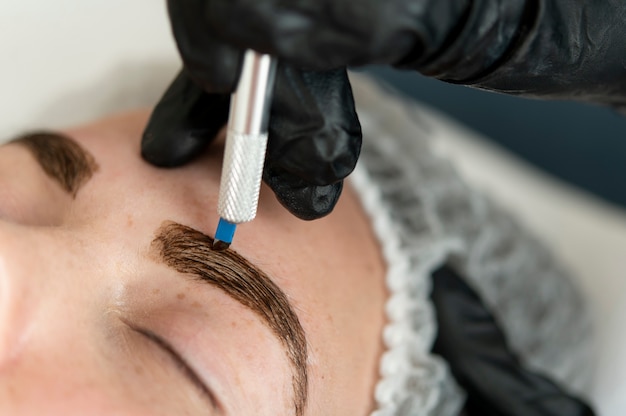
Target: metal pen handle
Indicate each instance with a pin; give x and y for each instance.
(246, 139)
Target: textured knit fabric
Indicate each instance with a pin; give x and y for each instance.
(425, 215)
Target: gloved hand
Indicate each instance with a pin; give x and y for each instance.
(549, 48)
(470, 340)
(314, 134)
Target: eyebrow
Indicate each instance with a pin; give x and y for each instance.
(189, 251)
(61, 158)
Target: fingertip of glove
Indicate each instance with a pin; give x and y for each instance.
(183, 123)
(167, 149)
(319, 156)
(307, 202)
(169, 142)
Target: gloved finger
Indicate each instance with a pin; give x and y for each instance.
(314, 139)
(471, 341)
(183, 123)
(213, 64)
(305, 201)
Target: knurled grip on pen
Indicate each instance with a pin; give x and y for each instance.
(246, 139)
(241, 176)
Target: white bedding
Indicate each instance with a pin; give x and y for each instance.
(69, 61)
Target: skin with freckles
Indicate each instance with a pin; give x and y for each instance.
(96, 319)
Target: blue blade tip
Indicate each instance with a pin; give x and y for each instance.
(225, 231)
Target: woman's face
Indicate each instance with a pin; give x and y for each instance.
(112, 303)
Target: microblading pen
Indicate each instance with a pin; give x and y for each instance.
(246, 143)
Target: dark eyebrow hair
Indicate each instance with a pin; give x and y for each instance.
(61, 158)
(189, 251)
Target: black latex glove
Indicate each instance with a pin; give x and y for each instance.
(550, 48)
(315, 135)
(470, 340)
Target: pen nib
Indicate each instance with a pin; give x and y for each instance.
(224, 235)
(219, 245)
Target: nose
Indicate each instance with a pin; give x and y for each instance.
(15, 310)
(45, 352)
(27, 286)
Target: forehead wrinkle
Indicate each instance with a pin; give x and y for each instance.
(189, 251)
(61, 158)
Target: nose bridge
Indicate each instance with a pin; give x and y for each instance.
(45, 351)
(15, 312)
(24, 290)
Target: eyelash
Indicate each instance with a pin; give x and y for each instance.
(180, 362)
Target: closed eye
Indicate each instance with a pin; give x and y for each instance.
(181, 364)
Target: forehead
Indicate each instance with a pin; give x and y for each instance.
(275, 239)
